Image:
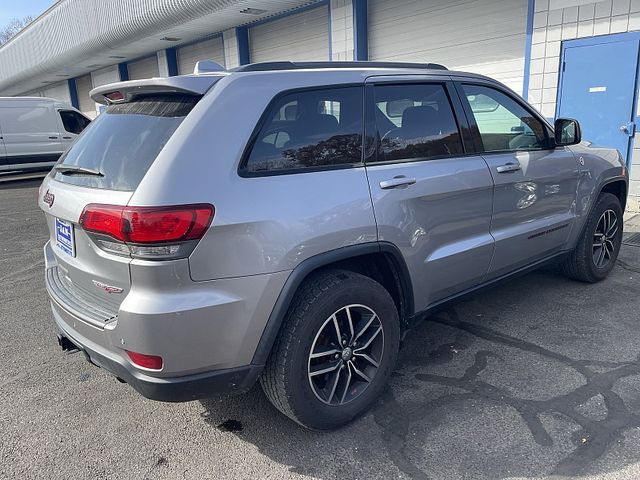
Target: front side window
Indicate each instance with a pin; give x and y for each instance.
(415, 121)
(307, 129)
(504, 124)
(73, 122)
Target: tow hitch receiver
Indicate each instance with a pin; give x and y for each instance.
(67, 345)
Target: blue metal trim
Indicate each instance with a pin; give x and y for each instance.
(527, 49)
(123, 71)
(242, 37)
(224, 52)
(172, 61)
(598, 40)
(330, 35)
(360, 29)
(73, 92)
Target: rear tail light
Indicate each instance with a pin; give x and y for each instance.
(152, 362)
(147, 232)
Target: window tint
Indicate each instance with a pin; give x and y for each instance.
(310, 129)
(124, 141)
(73, 122)
(504, 124)
(415, 121)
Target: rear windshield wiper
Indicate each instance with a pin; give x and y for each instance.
(74, 169)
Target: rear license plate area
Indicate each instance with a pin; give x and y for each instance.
(65, 240)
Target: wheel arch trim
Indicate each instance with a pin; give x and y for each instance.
(312, 264)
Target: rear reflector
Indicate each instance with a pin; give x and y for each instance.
(152, 362)
(148, 225)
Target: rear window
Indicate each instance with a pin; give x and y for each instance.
(123, 142)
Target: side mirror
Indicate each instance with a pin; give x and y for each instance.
(567, 132)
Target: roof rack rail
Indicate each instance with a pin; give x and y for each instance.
(271, 66)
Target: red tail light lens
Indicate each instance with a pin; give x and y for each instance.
(152, 362)
(148, 225)
(115, 96)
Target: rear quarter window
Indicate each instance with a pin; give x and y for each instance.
(308, 129)
(123, 142)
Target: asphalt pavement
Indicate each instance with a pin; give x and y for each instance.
(538, 378)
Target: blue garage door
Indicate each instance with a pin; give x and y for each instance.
(597, 87)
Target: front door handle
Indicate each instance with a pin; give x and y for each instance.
(395, 182)
(53, 138)
(509, 167)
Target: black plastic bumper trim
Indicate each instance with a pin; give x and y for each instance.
(176, 389)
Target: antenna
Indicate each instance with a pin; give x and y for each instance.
(207, 66)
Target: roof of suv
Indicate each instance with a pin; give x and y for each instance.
(199, 83)
(272, 66)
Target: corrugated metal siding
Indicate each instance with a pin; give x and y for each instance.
(211, 49)
(144, 68)
(481, 36)
(105, 76)
(87, 106)
(73, 34)
(59, 91)
(300, 37)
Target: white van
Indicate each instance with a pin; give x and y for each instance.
(35, 131)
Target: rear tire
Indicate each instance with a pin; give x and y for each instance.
(316, 336)
(597, 249)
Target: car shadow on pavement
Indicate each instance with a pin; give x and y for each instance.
(537, 378)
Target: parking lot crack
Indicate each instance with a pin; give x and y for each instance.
(594, 437)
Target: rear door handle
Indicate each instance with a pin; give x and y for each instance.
(509, 167)
(53, 138)
(395, 182)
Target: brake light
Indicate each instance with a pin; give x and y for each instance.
(152, 362)
(115, 96)
(148, 225)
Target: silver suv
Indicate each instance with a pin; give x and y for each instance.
(290, 222)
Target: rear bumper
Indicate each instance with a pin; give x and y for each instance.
(206, 332)
(173, 389)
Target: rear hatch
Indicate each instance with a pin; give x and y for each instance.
(85, 199)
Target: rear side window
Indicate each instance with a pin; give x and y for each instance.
(415, 122)
(73, 122)
(122, 143)
(309, 129)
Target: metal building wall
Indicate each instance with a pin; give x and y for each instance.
(481, 36)
(189, 55)
(298, 37)
(558, 20)
(144, 68)
(87, 106)
(59, 91)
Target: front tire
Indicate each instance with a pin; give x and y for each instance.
(597, 249)
(336, 350)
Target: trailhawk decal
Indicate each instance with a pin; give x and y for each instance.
(107, 288)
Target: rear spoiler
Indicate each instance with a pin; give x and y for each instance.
(126, 91)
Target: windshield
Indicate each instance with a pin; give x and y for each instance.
(117, 148)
